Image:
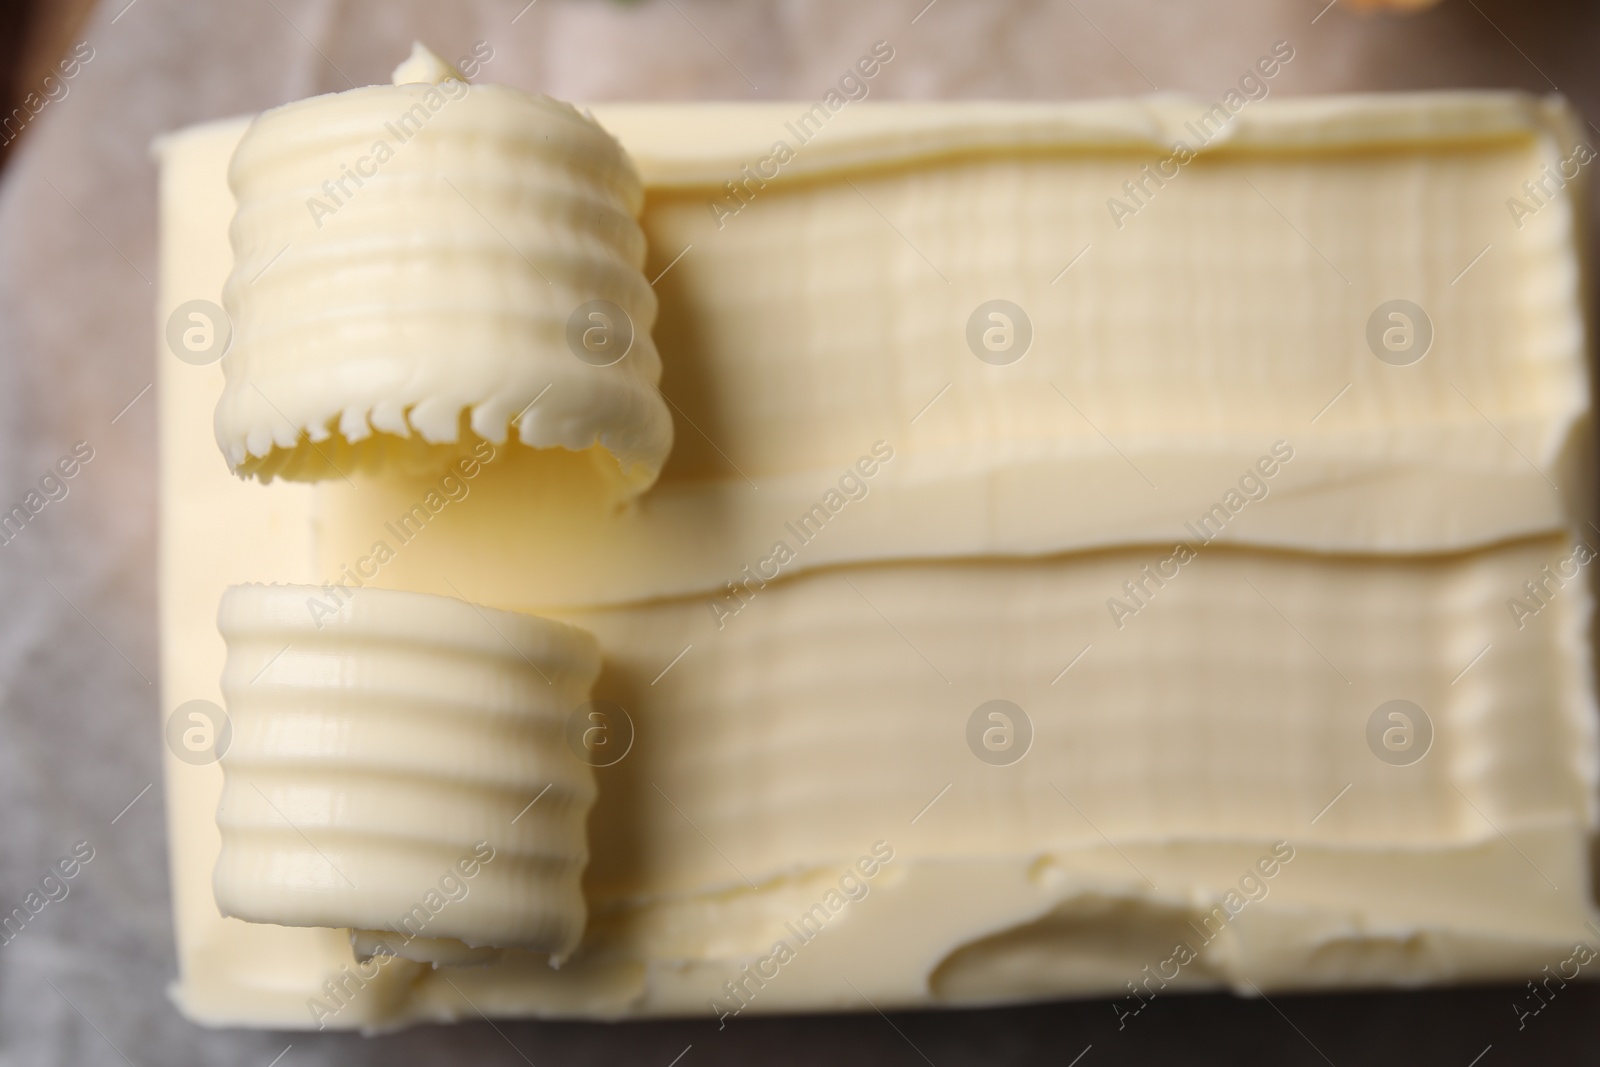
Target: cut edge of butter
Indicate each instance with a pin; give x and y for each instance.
(676, 150)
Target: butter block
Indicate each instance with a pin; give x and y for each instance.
(1018, 712)
(398, 764)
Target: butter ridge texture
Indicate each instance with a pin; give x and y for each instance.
(407, 259)
(377, 745)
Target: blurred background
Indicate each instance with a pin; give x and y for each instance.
(34, 35)
(79, 747)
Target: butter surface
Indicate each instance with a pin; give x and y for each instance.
(398, 764)
(828, 316)
(407, 260)
(786, 732)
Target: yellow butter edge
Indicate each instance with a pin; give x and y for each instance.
(677, 145)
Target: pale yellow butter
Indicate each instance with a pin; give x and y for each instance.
(408, 260)
(830, 314)
(802, 772)
(398, 764)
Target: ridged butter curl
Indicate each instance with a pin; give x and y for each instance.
(407, 259)
(398, 764)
